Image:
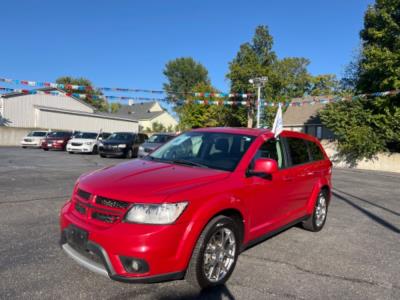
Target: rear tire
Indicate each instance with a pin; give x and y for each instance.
(317, 220)
(24, 147)
(102, 155)
(211, 257)
(70, 152)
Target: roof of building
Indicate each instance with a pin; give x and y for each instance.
(304, 114)
(45, 89)
(139, 111)
(75, 112)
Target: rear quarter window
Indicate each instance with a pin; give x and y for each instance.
(298, 151)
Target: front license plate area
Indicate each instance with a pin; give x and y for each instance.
(77, 237)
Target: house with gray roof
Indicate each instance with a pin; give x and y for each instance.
(305, 118)
(147, 113)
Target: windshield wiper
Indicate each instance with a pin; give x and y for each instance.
(188, 163)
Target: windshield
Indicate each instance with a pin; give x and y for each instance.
(86, 135)
(123, 136)
(37, 133)
(59, 134)
(159, 138)
(215, 150)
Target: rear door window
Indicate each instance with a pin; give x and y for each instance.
(298, 151)
(315, 151)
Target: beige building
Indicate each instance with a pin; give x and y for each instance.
(21, 113)
(147, 113)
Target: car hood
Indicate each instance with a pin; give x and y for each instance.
(34, 137)
(56, 138)
(146, 181)
(115, 142)
(151, 145)
(82, 140)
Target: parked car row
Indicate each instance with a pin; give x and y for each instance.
(117, 144)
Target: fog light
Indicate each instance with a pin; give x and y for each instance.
(134, 265)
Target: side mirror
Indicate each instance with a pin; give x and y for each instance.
(264, 168)
(100, 138)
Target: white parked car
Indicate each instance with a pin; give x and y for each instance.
(86, 142)
(34, 139)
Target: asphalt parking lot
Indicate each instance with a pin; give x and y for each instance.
(356, 255)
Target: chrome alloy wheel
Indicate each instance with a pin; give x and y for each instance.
(219, 254)
(320, 210)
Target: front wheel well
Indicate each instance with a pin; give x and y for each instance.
(237, 217)
(327, 190)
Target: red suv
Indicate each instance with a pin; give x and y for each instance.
(189, 208)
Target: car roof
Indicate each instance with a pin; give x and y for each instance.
(257, 132)
(235, 130)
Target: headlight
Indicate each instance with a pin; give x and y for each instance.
(88, 143)
(121, 146)
(165, 213)
(141, 148)
(60, 141)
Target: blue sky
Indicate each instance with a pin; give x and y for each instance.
(127, 43)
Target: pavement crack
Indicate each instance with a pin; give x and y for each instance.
(33, 200)
(349, 279)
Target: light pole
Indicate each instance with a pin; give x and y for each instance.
(258, 82)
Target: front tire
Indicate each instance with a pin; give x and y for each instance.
(95, 151)
(129, 153)
(317, 220)
(215, 254)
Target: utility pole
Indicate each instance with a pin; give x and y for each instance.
(258, 82)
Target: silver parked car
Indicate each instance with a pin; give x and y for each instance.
(155, 141)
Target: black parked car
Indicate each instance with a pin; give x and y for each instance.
(122, 144)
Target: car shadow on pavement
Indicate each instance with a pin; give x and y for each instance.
(369, 202)
(369, 214)
(181, 292)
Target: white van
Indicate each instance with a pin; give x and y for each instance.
(86, 142)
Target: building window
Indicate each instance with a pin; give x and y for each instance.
(319, 132)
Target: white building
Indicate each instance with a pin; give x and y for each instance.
(21, 113)
(148, 113)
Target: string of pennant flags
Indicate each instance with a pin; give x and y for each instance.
(78, 95)
(220, 102)
(113, 89)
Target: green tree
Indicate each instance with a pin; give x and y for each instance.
(92, 94)
(183, 74)
(115, 107)
(366, 126)
(326, 84)
(287, 77)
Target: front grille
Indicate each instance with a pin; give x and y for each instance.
(111, 202)
(76, 144)
(27, 140)
(108, 218)
(80, 209)
(83, 194)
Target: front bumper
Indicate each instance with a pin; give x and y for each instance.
(163, 248)
(112, 152)
(105, 268)
(30, 144)
(83, 148)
